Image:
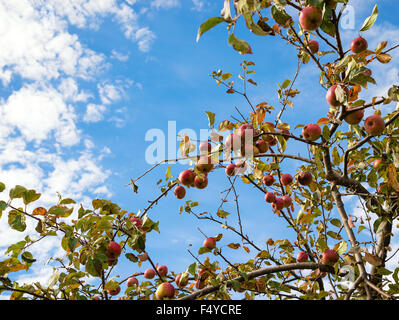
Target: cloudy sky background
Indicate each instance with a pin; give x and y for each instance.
(82, 81)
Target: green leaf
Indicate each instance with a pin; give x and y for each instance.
(28, 257)
(207, 25)
(369, 22)
(30, 196)
(239, 45)
(211, 118)
(168, 174)
(2, 186)
(67, 201)
(17, 192)
(16, 220)
(131, 257)
(384, 272)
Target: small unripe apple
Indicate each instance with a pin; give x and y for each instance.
(287, 201)
(305, 178)
(278, 204)
(268, 180)
(302, 257)
(331, 96)
(114, 250)
(205, 147)
(231, 170)
(286, 179)
(186, 178)
(149, 273)
(114, 292)
(179, 282)
(162, 270)
(200, 182)
(374, 125)
(131, 281)
(165, 290)
(270, 197)
(262, 146)
(233, 142)
(180, 192)
(310, 18)
(358, 45)
(209, 243)
(313, 46)
(311, 132)
(137, 222)
(354, 117)
(329, 257)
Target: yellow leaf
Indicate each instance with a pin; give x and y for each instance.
(39, 211)
(246, 249)
(393, 177)
(384, 58)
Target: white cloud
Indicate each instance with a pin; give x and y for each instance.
(165, 4)
(119, 56)
(94, 113)
(198, 5)
(144, 38)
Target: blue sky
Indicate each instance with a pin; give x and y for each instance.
(82, 81)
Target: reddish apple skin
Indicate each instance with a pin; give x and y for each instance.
(268, 180)
(262, 146)
(329, 257)
(311, 132)
(199, 284)
(205, 147)
(200, 182)
(137, 222)
(179, 192)
(204, 164)
(162, 270)
(209, 243)
(230, 170)
(278, 204)
(286, 179)
(114, 250)
(180, 283)
(233, 142)
(287, 201)
(270, 197)
(285, 131)
(310, 18)
(305, 178)
(313, 46)
(115, 291)
(331, 97)
(246, 130)
(272, 142)
(374, 125)
(96, 298)
(377, 163)
(186, 178)
(149, 273)
(165, 290)
(359, 45)
(131, 281)
(354, 117)
(302, 257)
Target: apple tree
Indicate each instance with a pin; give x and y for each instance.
(347, 154)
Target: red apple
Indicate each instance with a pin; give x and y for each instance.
(377, 163)
(204, 164)
(268, 180)
(186, 178)
(149, 273)
(329, 257)
(231, 169)
(233, 142)
(270, 197)
(313, 46)
(137, 222)
(311, 132)
(131, 281)
(305, 178)
(199, 284)
(200, 182)
(246, 132)
(114, 250)
(262, 146)
(285, 131)
(165, 290)
(278, 204)
(114, 292)
(272, 142)
(331, 96)
(96, 298)
(286, 179)
(358, 45)
(287, 201)
(209, 243)
(205, 147)
(180, 192)
(162, 270)
(310, 18)
(354, 117)
(181, 282)
(374, 125)
(302, 257)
